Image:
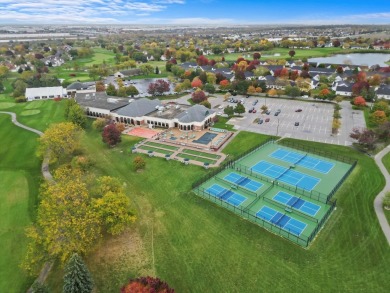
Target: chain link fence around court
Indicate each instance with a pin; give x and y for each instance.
(330, 155)
(248, 214)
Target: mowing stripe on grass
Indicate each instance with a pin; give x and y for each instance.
(160, 145)
(197, 153)
(195, 158)
(161, 151)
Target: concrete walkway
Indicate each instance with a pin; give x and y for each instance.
(47, 175)
(379, 198)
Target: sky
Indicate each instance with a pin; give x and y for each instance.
(195, 12)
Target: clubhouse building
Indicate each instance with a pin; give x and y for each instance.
(147, 112)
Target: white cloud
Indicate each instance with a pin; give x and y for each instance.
(82, 11)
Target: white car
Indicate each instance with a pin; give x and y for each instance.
(220, 107)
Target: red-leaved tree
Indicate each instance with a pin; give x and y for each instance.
(146, 285)
(111, 135)
(198, 96)
(256, 56)
(359, 101)
(365, 137)
(358, 87)
(202, 60)
(291, 53)
(196, 82)
(159, 87)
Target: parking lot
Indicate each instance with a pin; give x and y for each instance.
(315, 119)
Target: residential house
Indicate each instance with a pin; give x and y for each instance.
(383, 92)
(343, 89)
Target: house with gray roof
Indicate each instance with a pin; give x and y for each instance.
(383, 92)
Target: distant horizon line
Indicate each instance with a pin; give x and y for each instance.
(190, 24)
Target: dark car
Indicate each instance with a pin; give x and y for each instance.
(260, 121)
(268, 112)
(298, 110)
(276, 113)
(296, 123)
(250, 110)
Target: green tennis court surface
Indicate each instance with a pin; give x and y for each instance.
(283, 190)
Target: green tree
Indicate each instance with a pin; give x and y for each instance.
(139, 163)
(229, 110)
(209, 88)
(206, 104)
(65, 223)
(111, 90)
(59, 140)
(113, 209)
(146, 69)
(69, 103)
(239, 109)
(77, 278)
(77, 116)
(99, 123)
(131, 90)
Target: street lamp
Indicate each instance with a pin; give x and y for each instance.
(277, 128)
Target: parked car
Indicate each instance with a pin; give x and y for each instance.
(260, 121)
(276, 113)
(298, 110)
(254, 110)
(250, 111)
(296, 123)
(267, 120)
(268, 112)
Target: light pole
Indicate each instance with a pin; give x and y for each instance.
(277, 128)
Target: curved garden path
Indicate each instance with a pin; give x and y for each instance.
(47, 175)
(378, 202)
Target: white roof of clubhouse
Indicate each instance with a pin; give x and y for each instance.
(45, 92)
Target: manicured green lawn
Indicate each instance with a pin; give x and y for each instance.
(242, 142)
(282, 54)
(198, 247)
(160, 145)
(157, 150)
(195, 158)
(386, 162)
(19, 181)
(222, 123)
(197, 153)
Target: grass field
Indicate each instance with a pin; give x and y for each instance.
(196, 158)
(157, 150)
(161, 145)
(198, 247)
(194, 245)
(19, 181)
(282, 53)
(222, 123)
(386, 162)
(197, 153)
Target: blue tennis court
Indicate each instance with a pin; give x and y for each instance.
(283, 221)
(226, 195)
(243, 181)
(286, 175)
(303, 160)
(297, 203)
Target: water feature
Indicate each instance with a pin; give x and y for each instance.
(367, 59)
